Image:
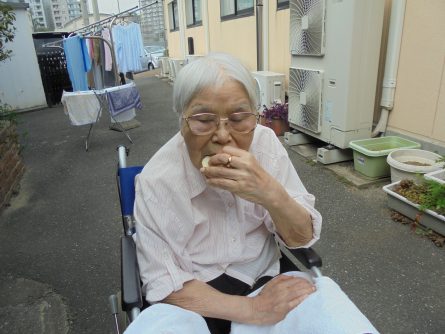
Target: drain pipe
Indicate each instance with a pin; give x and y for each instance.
(259, 35)
(265, 28)
(391, 64)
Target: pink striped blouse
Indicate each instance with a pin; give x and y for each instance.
(187, 230)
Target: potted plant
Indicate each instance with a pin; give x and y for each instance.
(276, 117)
(422, 201)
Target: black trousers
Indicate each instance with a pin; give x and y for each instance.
(231, 286)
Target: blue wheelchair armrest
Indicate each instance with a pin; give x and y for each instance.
(131, 284)
(307, 256)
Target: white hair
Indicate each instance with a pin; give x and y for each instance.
(212, 70)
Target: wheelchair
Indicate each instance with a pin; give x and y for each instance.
(132, 301)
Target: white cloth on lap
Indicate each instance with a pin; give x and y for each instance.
(167, 319)
(326, 311)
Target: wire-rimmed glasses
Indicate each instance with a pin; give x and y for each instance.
(207, 123)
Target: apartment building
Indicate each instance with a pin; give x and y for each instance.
(53, 14)
(152, 22)
(37, 13)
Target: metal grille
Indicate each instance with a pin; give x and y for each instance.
(305, 98)
(54, 75)
(307, 27)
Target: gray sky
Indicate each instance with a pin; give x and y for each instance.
(111, 6)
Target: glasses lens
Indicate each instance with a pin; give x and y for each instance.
(242, 122)
(202, 124)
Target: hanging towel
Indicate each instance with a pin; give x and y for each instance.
(81, 107)
(123, 98)
(326, 311)
(77, 61)
(108, 58)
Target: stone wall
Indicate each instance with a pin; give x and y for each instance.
(11, 165)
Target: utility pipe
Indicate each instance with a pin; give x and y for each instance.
(266, 7)
(95, 10)
(182, 28)
(391, 64)
(259, 35)
(85, 15)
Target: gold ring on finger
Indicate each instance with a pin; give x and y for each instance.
(229, 161)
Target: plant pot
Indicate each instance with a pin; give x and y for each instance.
(407, 163)
(278, 125)
(438, 176)
(427, 218)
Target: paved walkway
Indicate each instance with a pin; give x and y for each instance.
(59, 239)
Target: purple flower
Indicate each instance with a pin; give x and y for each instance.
(276, 111)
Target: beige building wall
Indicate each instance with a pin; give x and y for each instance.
(237, 37)
(279, 49)
(174, 46)
(419, 106)
(197, 33)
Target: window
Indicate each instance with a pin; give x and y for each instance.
(173, 16)
(236, 8)
(282, 4)
(193, 12)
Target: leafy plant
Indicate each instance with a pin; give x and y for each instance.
(429, 194)
(7, 114)
(7, 30)
(276, 111)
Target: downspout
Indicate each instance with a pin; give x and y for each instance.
(182, 27)
(259, 35)
(266, 36)
(391, 64)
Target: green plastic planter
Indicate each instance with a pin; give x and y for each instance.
(370, 154)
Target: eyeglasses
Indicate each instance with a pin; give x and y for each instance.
(207, 123)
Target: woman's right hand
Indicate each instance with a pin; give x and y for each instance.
(278, 297)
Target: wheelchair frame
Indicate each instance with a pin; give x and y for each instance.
(131, 301)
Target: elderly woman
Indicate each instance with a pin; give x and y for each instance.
(212, 204)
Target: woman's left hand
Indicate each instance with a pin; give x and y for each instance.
(239, 172)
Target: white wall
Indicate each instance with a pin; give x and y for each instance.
(20, 82)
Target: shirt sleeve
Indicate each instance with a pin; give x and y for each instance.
(160, 242)
(286, 174)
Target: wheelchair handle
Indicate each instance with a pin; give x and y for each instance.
(114, 305)
(123, 152)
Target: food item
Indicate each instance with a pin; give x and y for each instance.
(205, 161)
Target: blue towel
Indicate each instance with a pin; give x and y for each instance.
(123, 100)
(78, 61)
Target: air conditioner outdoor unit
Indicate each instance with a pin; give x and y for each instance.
(335, 48)
(270, 87)
(165, 67)
(175, 66)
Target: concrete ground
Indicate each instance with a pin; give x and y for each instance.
(59, 238)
